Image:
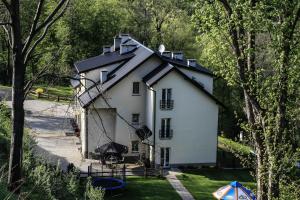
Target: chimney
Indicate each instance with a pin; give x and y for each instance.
(192, 62)
(117, 43)
(167, 54)
(106, 49)
(125, 48)
(124, 37)
(103, 76)
(177, 55)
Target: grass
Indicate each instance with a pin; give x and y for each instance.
(202, 183)
(230, 145)
(4, 87)
(56, 90)
(150, 188)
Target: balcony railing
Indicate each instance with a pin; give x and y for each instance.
(165, 134)
(166, 104)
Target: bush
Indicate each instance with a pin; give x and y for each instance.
(93, 193)
(39, 91)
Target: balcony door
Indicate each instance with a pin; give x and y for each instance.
(165, 127)
(166, 94)
(165, 157)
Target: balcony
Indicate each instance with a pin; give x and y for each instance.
(166, 134)
(166, 104)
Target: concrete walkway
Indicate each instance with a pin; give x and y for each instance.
(177, 185)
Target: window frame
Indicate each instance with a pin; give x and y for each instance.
(136, 83)
(136, 142)
(138, 119)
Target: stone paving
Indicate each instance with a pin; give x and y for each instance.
(177, 185)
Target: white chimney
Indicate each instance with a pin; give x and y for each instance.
(103, 76)
(117, 43)
(192, 62)
(125, 48)
(177, 55)
(106, 49)
(167, 54)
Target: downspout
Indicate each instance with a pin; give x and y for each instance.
(154, 121)
(86, 152)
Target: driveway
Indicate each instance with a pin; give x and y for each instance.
(48, 122)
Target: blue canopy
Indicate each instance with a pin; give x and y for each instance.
(234, 191)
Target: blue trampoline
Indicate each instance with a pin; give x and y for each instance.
(108, 184)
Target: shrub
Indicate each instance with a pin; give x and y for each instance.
(39, 91)
(92, 193)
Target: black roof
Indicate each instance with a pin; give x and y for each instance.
(183, 64)
(101, 61)
(154, 72)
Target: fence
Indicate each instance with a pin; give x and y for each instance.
(122, 172)
(52, 96)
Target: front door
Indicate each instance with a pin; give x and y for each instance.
(164, 157)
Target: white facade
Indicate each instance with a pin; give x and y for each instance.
(193, 117)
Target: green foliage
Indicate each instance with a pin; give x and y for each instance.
(5, 128)
(93, 193)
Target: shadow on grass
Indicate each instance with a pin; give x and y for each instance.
(223, 174)
(147, 189)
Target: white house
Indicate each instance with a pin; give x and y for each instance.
(159, 105)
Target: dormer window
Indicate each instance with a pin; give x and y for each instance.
(136, 88)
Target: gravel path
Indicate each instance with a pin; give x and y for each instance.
(48, 122)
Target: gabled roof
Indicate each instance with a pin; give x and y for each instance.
(183, 64)
(161, 71)
(101, 61)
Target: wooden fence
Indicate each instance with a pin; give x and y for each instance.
(52, 96)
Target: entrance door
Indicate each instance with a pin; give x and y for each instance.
(164, 157)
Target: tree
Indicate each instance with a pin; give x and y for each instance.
(255, 46)
(22, 48)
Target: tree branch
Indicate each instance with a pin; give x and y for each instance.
(33, 26)
(4, 23)
(7, 5)
(44, 25)
(240, 61)
(52, 21)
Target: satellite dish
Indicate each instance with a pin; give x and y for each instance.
(161, 48)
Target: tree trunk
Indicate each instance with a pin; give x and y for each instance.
(273, 184)
(15, 161)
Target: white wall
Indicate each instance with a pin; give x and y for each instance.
(96, 135)
(194, 120)
(206, 80)
(120, 97)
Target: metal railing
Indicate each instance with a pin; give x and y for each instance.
(166, 134)
(166, 104)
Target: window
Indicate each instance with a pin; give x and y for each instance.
(166, 102)
(135, 118)
(165, 131)
(165, 156)
(135, 146)
(136, 88)
(166, 94)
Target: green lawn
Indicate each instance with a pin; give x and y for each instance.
(56, 90)
(147, 189)
(202, 183)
